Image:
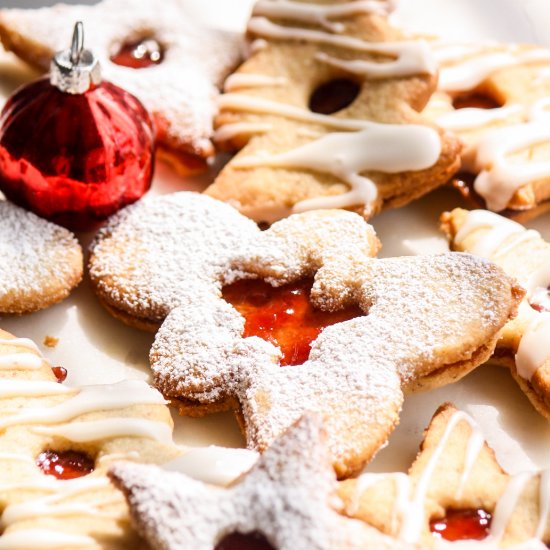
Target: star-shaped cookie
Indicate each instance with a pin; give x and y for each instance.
(180, 89)
(287, 498)
(454, 490)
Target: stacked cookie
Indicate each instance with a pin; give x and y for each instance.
(299, 329)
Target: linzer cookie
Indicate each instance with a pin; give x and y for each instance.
(454, 491)
(286, 501)
(56, 444)
(495, 98)
(40, 262)
(157, 52)
(306, 294)
(524, 343)
(325, 111)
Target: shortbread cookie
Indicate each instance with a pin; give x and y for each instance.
(326, 111)
(56, 444)
(427, 320)
(524, 344)
(40, 262)
(179, 64)
(495, 98)
(286, 501)
(455, 490)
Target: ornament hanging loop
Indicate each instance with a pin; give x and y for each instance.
(77, 46)
(75, 70)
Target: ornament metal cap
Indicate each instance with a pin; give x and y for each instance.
(76, 70)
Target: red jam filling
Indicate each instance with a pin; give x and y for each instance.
(65, 464)
(139, 55)
(60, 373)
(475, 100)
(544, 305)
(283, 315)
(462, 525)
(240, 541)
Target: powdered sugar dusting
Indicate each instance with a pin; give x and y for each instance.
(424, 313)
(288, 496)
(143, 259)
(39, 261)
(182, 90)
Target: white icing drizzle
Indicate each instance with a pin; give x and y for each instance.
(544, 504)
(44, 539)
(95, 430)
(89, 399)
(381, 147)
(26, 343)
(411, 527)
(320, 14)
(412, 56)
(469, 73)
(214, 465)
(537, 286)
(501, 235)
(534, 346)
(473, 448)
(248, 80)
(506, 504)
(20, 361)
(229, 131)
(61, 488)
(363, 482)
(16, 457)
(32, 388)
(247, 103)
(473, 118)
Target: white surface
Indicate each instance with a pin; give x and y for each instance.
(96, 348)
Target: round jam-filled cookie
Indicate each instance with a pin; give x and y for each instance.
(325, 111)
(299, 317)
(56, 445)
(524, 343)
(454, 491)
(286, 501)
(495, 98)
(174, 65)
(40, 262)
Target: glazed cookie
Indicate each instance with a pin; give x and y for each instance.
(454, 491)
(56, 444)
(495, 98)
(241, 303)
(40, 262)
(155, 51)
(286, 501)
(524, 343)
(325, 111)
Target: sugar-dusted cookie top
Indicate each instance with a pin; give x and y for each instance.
(495, 98)
(325, 111)
(240, 303)
(40, 262)
(455, 494)
(56, 444)
(524, 343)
(181, 63)
(286, 501)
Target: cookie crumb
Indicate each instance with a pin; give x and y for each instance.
(50, 341)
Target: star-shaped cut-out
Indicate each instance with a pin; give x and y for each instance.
(288, 497)
(180, 91)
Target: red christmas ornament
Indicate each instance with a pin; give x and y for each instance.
(74, 149)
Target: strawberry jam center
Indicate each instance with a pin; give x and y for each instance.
(462, 524)
(60, 373)
(541, 301)
(240, 541)
(283, 315)
(65, 464)
(139, 55)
